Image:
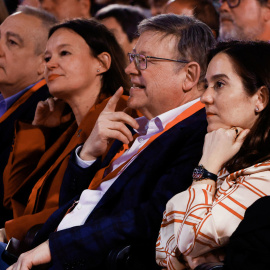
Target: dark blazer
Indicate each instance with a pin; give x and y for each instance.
(249, 246)
(131, 210)
(26, 112)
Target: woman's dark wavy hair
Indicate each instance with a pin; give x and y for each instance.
(100, 39)
(251, 61)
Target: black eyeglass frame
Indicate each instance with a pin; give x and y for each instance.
(135, 57)
(229, 3)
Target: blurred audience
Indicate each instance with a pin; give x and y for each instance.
(203, 10)
(67, 9)
(245, 20)
(123, 21)
(157, 6)
(23, 40)
(3, 11)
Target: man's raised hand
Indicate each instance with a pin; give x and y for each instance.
(110, 125)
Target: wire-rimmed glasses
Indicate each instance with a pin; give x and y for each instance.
(231, 3)
(141, 60)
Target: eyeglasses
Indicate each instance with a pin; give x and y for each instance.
(141, 60)
(231, 3)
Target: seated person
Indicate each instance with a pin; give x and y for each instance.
(237, 148)
(202, 10)
(123, 21)
(67, 9)
(157, 6)
(84, 66)
(23, 40)
(124, 190)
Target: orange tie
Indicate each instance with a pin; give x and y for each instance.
(100, 177)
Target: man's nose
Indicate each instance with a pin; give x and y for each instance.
(131, 68)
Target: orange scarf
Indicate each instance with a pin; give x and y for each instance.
(22, 99)
(99, 177)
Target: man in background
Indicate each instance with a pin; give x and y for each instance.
(245, 20)
(123, 21)
(23, 38)
(67, 9)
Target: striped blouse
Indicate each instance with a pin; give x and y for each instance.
(196, 221)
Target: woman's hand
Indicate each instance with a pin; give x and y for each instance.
(49, 113)
(210, 257)
(220, 146)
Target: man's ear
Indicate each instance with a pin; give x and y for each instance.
(193, 71)
(85, 7)
(105, 62)
(262, 99)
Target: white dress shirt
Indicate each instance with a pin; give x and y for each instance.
(90, 198)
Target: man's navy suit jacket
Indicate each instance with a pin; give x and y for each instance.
(25, 112)
(130, 212)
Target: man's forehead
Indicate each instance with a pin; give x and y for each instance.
(151, 41)
(21, 25)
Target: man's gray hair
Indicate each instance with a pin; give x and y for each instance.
(194, 37)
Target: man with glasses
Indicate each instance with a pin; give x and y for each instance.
(123, 190)
(244, 20)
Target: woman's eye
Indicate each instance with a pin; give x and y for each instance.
(219, 84)
(63, 53)
(47, 59)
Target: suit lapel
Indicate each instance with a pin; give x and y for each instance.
(153, 151)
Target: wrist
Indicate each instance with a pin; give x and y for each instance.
(84, 155)
(200, 173)
(211, 165)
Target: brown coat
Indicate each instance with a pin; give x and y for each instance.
(43, 186)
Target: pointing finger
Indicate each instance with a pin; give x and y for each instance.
(111, 105)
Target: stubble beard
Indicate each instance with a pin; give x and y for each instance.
(239, 33)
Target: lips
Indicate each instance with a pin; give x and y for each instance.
(209, 114)
(137, 85)
(53, 77)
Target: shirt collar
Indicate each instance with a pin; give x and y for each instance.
(159, 122)
(5, 104)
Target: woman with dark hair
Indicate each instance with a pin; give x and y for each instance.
(84, 67)
(234, 170)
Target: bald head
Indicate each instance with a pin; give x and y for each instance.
(23, 40)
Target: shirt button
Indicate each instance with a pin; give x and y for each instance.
(140, 140)
(79, 132)
(79, 206)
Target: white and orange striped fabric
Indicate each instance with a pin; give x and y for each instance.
(197, 222)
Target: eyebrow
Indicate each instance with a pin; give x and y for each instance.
(141, 52)
(11, 34)
(217, 76)
(60, 47)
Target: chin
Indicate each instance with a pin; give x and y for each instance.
(131, 103)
